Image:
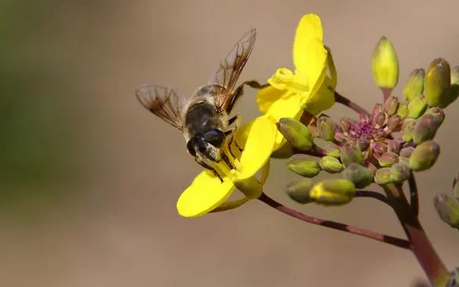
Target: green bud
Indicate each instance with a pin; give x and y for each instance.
(383, 176)
(424, 156)
(358, 174)
(388, 159)
(332, 150)
(437, 83)
(299, 191)
(438, 113)
(333, 192)
(417, 106)
(408, 129)
(415, 84)
(350, 153)
(385, 65)
(296, 133)
(326, 128)
(402, 110)
(301, 165)
(448, 209)
(453, 92)
(426, 128)
(399, 172)
(391, 105)
(394, 122)
(330, 164)
(406, 152)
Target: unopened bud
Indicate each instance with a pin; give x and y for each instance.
(378, 108)
(330, 164)
(333, 192)
(383, 176)
(380, 119)
(394, 122)
(438, 114)
(437, 83)
(402, 110)
(302, 165)
(417, 106)
(426, 128)
(380, 148)
(415, 84)
(393, 146)
(448, 209)
(326, 128)
(332, 150)
(299, 190)
(453, 92)
(350, 153)
(399, 172)
(406, 152)
(296, 133)
(363, 144)
(391, 105)
(388, 159)
(345, 124)
(359, 175)
(424, 156)
(408, 129)
(385, 65)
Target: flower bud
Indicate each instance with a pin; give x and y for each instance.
(363, 144)
(408, 129)
(394, 122)
(383, 176)
(332, 150)
(378, 108)
(296, 133)
(388, 159)
(415, 84)
(350, 153)
(301, 165)
(333, 192)
(402, 110)
(453, 92)
(399, 172)
(406, 152)
(424, 156)
(417, 106)
(393, 146)
(391, 105)
(330, 164)
(380, 119)
(426, 128)
(358, 174)
(438, 113)
(380, 148)
(299, 190)
(385, 65)
(326, 128)
(437, 83)
(448, 209)
(345, 124)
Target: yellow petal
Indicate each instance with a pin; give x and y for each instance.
(250, 187)
(242, 133)
(309, 28)
(231, 205)
(322, 100)
(267, 96)
(205, 194)
(258, 147)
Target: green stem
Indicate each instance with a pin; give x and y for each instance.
(419, 242)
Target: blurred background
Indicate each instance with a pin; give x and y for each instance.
(89, 179)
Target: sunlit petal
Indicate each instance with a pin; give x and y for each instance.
(309, 28)
(204, 194)
(267, 96)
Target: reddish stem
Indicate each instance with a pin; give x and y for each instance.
(335, 225)
(348, 103)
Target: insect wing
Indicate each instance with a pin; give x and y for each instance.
(164, 102)
(231, 67)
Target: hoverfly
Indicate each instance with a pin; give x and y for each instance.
(204, 117)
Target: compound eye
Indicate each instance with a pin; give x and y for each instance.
(215, 137)
(190, 148)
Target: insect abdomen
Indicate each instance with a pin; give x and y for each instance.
(201, 117)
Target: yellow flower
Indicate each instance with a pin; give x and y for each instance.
(288, 95)
(309, 83)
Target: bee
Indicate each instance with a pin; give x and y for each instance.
(204, 118)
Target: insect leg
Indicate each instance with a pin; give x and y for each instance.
(227, 161)
(240, 91)
(206, 166)
(232, 120)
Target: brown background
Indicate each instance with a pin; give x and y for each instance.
(90, 179)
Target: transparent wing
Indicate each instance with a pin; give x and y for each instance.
(231, 66)
(164, 102)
